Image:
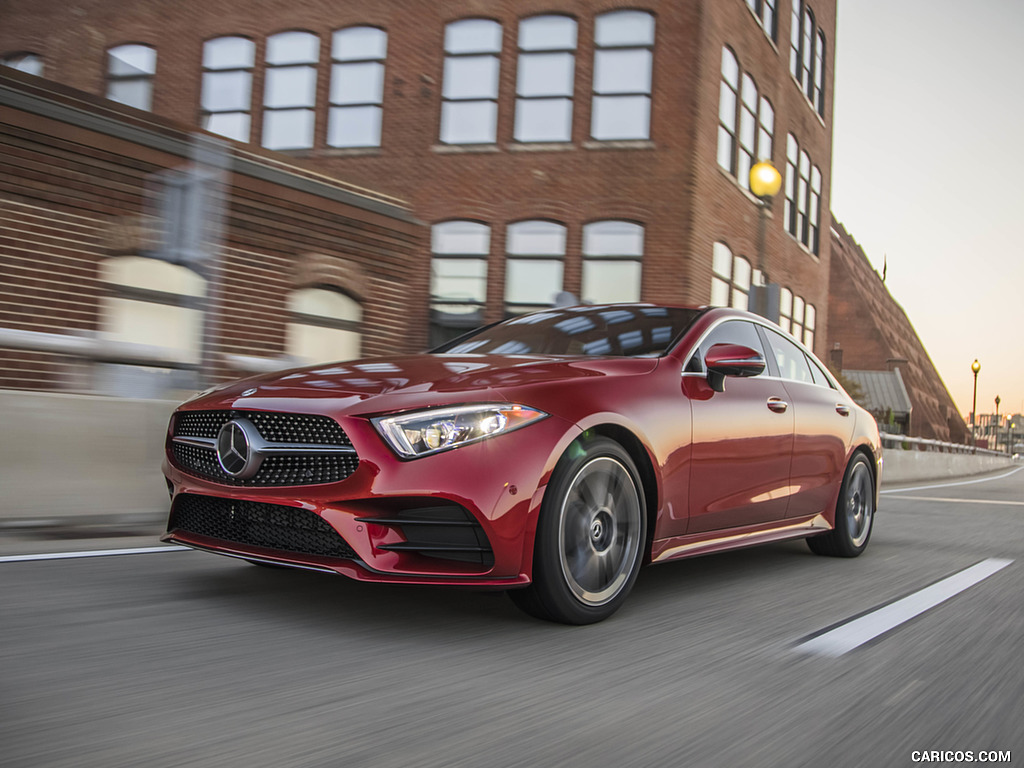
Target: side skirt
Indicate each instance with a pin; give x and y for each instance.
(678, 547)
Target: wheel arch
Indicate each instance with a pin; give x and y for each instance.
(645, 466)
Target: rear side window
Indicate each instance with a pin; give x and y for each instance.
(789, 358)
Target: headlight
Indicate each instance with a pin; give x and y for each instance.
(421, 433)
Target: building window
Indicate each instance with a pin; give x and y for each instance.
(544, 81)
(612, 261)
(469, 108)
(130, 71)
(154, 303)
(728, 104)
(324, 326)
(764, 12)
(807, 56)
(357, 87)
(458, 278)
(797, 317)
(746, 122)
(227, 86)
(289, 97)
(802, 212)
(623, 58)
(818, 91)
(730, 281)
(24, 62)
(533, 267)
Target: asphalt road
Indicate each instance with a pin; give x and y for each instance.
(187, 659)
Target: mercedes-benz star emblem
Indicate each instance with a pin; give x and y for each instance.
(234, 449)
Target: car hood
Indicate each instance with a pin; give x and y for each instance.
(379, 385)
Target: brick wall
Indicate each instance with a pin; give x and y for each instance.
(671, 184)
(73, 171)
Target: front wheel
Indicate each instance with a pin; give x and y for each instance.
(590, 536)
(855, 514)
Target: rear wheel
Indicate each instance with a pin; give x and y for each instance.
(855, 514)
(590, 536)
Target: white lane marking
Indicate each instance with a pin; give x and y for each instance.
(961, 501)
(858, 631)
(92, 553)
(950, 485)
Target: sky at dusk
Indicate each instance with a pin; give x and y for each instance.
(928, 172)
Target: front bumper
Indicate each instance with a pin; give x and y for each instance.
(463, 517)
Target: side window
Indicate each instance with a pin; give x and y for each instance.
(790, 358)
(818, 374)
(730, 332)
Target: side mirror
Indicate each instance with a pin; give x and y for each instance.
(724, 360)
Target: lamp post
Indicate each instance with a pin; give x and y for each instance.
(765, 183)
(975, 367)
(995, 447)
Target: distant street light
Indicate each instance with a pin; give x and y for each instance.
(765, 183)
(975, 366)
(995, 447)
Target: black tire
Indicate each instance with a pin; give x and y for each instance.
(590, 536)
(855, 513)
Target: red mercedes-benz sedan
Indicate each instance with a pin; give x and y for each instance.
(552, 455)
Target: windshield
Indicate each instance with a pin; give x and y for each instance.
(621, 330)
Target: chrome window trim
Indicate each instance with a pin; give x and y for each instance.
(767, 374)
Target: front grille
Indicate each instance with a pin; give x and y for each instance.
(278, 469)
(289, 529)
(276, 427)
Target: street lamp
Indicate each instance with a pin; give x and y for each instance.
(995, 447)
(975, 367)
(765, 183)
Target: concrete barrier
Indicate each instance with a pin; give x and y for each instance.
(916, 466)
(81, 456)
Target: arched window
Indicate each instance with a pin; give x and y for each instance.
(623, 61)
(731, 279)
(612, 261)
(130, 71)
(31, 63)
(154, 303)
(746, 122)
(469, 107)
(289, 97)
(458, 278)
(324, 326)
(544, 81)
(807, 55)
(535, 253)
(357, 87)
(802, 211)
(227, 86)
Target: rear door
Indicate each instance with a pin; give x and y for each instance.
(823, 426)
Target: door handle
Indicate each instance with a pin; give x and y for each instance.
(842, 410)
(777, 404)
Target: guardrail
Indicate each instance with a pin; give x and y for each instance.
(902, 442)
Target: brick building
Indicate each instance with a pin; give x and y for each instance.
(869, 331)
(588, 146)
(307, 264)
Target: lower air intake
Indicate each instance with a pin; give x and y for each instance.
(288, 529)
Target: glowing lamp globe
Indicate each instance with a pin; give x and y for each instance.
(765, 179)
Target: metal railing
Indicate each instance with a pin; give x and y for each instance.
(902, 442)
